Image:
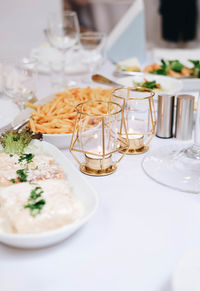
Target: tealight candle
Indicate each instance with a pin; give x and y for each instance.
(98, 163)
(93, 162)
(136, 142)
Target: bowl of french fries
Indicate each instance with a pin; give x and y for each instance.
(56, 118)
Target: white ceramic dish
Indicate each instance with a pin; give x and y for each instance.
(61, 141)
(81, 189)
(168, 85)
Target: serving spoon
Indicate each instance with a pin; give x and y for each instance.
(104, 80)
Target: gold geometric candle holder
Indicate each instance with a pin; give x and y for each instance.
(96, 140)
(139, 114)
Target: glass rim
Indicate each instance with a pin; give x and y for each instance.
(136, 89)
(98, 114)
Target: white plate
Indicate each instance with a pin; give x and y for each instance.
(82, 190)
(168, 85)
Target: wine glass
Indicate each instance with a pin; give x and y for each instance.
(63, 32)
(92, 44)
(19, 79)
(176, 166)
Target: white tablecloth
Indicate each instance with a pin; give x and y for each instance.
(132, 243)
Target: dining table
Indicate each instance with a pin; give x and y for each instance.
(133, 242)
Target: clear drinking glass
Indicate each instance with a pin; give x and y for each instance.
(63, 32)
(92, 44)
(19, 79)
(177, 166)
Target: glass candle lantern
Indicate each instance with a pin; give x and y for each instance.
(139, 114)
(96, 137)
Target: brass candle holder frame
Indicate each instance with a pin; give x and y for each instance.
(98, 164)
(137, 145)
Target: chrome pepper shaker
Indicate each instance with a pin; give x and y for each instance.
(165, 115)
(184, 117)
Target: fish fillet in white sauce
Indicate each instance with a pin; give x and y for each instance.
(40, 167)
(61, 207)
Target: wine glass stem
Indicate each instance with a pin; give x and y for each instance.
(197, 126)
(63, 67)
(194, 151)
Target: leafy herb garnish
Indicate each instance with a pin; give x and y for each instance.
(34, 204)
(15, 141)
(26, 157)
(148, 84)
(36, 208)
(22, 175)
(13, 181)
(11, 155)
(173, 65)
(36, 193)
(196, 68)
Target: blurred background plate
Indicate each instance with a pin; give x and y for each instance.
(168, 85)
(48, 57)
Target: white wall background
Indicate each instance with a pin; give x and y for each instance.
(22, 23)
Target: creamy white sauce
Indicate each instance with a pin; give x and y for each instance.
(61, 208)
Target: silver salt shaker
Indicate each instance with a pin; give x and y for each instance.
(184, 117)
(165, 114)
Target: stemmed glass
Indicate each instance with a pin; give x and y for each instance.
(176, 166)
(92, 44)
(63, 32)
(19, 79)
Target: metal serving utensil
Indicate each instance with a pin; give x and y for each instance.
(104, 80)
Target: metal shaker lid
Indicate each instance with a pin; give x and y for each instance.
(184, 117)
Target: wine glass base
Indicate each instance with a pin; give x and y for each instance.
(142, 150)
(174, 168)
(93, 172)
(193, 152)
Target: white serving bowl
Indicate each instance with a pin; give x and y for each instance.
(83, 191)
(61, 141)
